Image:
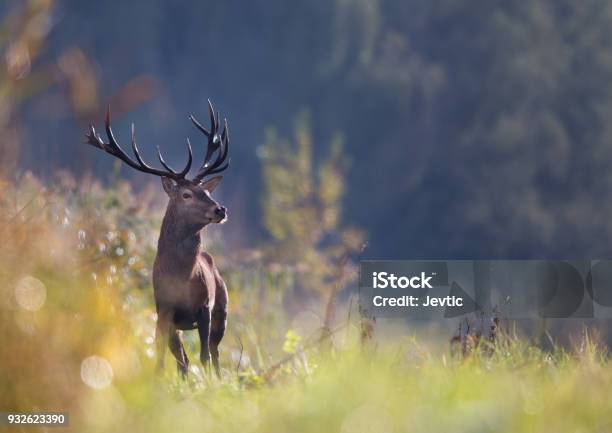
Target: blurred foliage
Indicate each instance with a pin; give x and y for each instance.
(21, 37)
(24, 31)
(70, 260)
(301, 204)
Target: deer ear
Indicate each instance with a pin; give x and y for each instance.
(211, 184)
(169, 185)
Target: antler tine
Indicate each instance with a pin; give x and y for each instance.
(113, 148)
(187, 167)
(212, 146)
(225, 141)
(163, 162)
(141, 161)
(225, 133)
(211, 113)
(215, 143)
(189, 160)
(93, 138)
(217, 167)
(224, 148)
(199, 126)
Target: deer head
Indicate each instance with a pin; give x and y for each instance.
(190, 199)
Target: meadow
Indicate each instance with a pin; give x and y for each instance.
(77, 328)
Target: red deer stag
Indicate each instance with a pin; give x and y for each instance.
(189, 291)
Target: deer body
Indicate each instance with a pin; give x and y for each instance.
(189, 292)
(188, 288)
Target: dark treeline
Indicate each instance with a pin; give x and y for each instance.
(475, 128)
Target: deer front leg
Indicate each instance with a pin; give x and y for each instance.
(219, 320)
(204, 332)
(176, 347)
(161, 338)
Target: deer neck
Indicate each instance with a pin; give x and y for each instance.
(178, 242)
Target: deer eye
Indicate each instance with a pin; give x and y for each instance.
(186, 195)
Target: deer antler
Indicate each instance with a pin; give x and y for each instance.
(113, 148)
(215, 143)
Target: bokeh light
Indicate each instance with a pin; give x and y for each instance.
(30, 293)
(96, 372)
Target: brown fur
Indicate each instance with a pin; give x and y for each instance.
(189, 291)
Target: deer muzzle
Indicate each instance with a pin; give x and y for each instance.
(221, 213)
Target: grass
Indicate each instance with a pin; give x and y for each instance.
(76, 326)
(522, 390)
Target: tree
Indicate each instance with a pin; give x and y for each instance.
(301, 206)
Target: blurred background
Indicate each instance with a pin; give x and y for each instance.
(380, 129)
(470, 128)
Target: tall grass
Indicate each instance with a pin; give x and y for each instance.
(77, 321)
